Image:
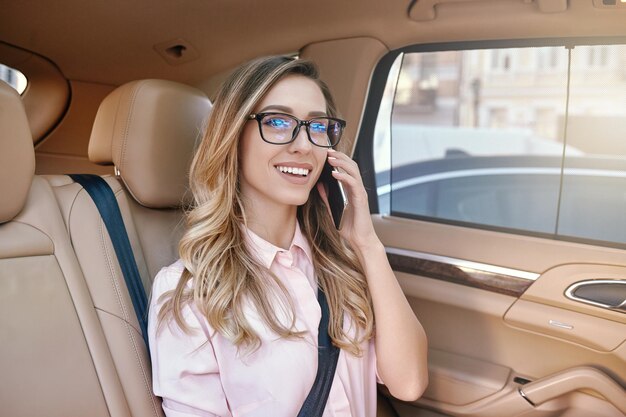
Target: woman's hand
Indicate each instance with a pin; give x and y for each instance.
(401, 361)
(356, 225)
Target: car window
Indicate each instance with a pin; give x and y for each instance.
(527, 139)
(13, 77)
(593, 198)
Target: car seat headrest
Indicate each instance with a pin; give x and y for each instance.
(149, 130)
(17, 155)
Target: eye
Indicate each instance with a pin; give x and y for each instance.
(318, 126)
(278, 122)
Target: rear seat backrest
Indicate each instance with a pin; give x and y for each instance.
(53, 359)
(148, 129)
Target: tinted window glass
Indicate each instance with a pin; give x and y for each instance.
(593, 199)
(488, 137)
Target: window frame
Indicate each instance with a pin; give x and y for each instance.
(364, 150)
(20, 73)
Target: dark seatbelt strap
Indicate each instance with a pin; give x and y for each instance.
(328, 355)
(104, 198)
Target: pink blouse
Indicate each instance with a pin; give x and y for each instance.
(203, 374)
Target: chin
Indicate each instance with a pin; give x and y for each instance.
(295, 199)
(298, 202)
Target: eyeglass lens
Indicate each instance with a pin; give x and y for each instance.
(278, 128)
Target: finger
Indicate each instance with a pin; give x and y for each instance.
(340, 155)
(346, 164)
(354, 186)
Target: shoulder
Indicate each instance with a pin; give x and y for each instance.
(165, 282)
(167, 278)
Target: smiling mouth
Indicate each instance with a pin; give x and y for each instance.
(302, 172)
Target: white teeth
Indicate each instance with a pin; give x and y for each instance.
(293, 170)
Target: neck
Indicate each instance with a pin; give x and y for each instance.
(274, 224)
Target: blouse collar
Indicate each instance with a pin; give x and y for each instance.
(267, 251)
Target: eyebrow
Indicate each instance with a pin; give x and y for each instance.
(290, 110)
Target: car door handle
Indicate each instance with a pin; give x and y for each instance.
(605, 293)
(574, 379)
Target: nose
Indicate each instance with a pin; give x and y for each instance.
(301, 143)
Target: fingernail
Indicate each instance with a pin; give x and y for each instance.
(331, 157)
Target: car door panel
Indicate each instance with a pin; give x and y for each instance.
(486, 300)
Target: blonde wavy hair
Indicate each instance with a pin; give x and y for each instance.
(225, 275)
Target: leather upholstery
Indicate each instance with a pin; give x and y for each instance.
(17, 156)
(54, 357)
(64, 306)
(149, 129)
(107, 287)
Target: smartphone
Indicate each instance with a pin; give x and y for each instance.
(336, 195)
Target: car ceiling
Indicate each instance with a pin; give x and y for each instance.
(115, 40)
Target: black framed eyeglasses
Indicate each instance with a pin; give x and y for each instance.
(282, 128)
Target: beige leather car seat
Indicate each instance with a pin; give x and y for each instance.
(148, 129)
(53, 355)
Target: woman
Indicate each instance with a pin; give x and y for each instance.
(233, 325)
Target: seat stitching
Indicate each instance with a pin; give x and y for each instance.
(130, 333)
(39, 230)
(71, 211)
(102, 310)
(129, 327)
(126, 321)
(127, 127)
(112, 275)
(143, 371)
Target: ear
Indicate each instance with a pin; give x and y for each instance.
(322, 190)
